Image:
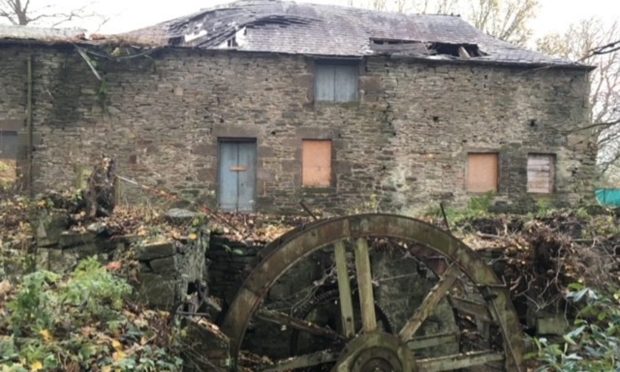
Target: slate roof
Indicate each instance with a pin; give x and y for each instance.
(327, 30)
(46, 35)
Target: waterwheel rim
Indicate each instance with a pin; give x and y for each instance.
(285, 252)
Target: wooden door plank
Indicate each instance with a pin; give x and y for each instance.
(246, 176)
(227, 188)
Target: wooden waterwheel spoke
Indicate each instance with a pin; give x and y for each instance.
(439, 291)
(304, 361)
(364, 284)
(299, 324)
(344, 290)
(458, 361)
(424, 342)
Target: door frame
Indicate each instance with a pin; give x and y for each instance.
(221, 140)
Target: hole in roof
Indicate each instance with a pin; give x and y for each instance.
(459, 50)
(455, 50)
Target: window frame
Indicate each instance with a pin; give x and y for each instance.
(355, 65)
(498, 171)
(552, 177)
(331, 164)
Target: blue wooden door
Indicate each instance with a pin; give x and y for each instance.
(237, 175)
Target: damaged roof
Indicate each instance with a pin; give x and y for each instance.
(46, 35)
(327, 30)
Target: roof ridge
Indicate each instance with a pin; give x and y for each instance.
(339, 6)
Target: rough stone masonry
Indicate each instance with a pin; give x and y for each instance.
(402, 147)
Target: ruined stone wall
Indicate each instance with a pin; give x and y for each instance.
(167, 269)
(402, 148)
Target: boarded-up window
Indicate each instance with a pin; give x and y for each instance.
(316, 163)
(335, 82)
(540, 173)
(482, 172)
(8, 144)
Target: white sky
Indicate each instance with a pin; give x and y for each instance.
(125, 15)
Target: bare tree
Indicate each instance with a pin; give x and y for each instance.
(592, 42)
(505, 19)
(438, 6)
(406, 6)
(42, 12)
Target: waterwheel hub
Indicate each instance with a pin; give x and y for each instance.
(376, 352)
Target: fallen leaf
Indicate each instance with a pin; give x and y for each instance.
(47, 336)
(114, 266)
(5, 288)
(117, 345)
(119, 355)
(140, 322)
(36, 366)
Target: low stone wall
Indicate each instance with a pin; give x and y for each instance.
(229, 263)
(59, 249)
(167, 272)
(167, 268)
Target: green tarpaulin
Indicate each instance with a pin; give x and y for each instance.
(608, 197)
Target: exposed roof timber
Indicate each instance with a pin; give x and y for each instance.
(272, 26)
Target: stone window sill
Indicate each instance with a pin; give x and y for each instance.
(337, 104)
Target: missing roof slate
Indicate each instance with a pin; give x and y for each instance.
(461, 50)
(425, 49)
(220, 27)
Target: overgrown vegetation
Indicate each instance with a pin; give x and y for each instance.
(84, 321)
(477, 207)
(564, 262)
(593, 343)
(87, 320)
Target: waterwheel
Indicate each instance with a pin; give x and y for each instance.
(484, 330)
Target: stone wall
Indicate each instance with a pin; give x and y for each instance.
(229, 264)
(168, 269)
(402, 148)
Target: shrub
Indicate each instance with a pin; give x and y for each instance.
(83, 322)
(594, 342)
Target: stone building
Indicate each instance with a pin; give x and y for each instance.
(260, 105)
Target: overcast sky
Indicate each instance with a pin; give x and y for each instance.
(125, 15)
